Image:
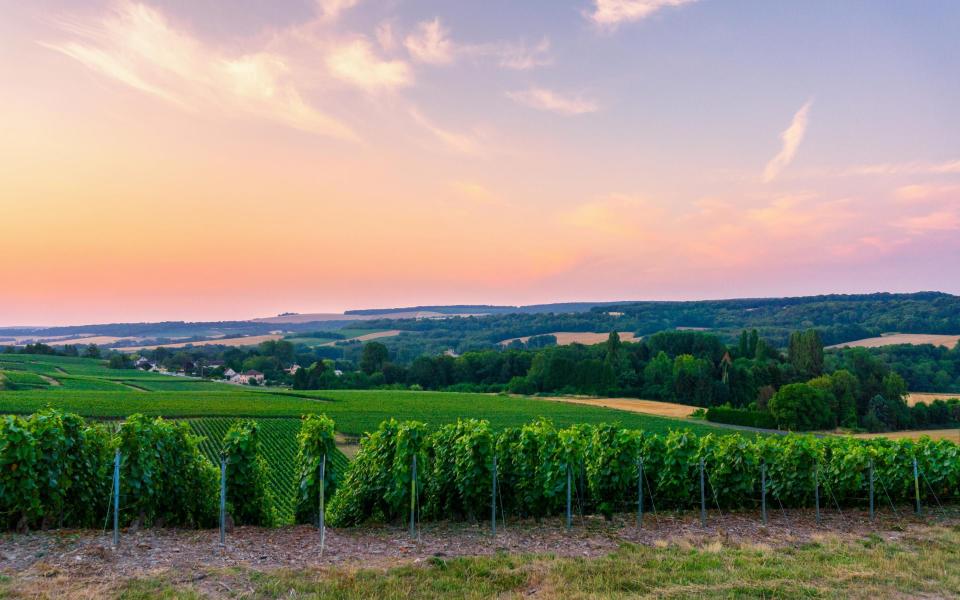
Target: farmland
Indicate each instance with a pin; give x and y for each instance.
(565, 338)
(892, 339)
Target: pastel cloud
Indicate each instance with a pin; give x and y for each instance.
(610, 13)
(430, 43)
(462, 143)
(331, 9)
(356, 63)
(548, 100)
(137, 46)
(790, 138)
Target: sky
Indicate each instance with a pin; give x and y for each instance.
(213, 159)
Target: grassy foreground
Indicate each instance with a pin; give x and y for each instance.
(921, 563)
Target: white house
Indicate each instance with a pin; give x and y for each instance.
(247, 376)
(229, 373)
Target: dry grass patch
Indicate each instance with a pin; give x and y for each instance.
(892, 339)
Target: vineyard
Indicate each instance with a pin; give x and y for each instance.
(55, 469)
(278, 438)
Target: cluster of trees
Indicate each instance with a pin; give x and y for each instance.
(926, 368)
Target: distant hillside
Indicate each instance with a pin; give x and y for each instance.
(485, 309)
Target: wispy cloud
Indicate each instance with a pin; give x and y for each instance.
(544, 99)
(941, 220)
(476, 192)
(513, 55)
(791, 138)
(610, 13)
(136, 45)
(950, 167)
(357, 64)
(463, 143)
(430, 43)
(330, 10)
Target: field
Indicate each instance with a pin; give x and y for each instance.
(250, 340)
(350, 335)
(892, 339)
(648, 407)
(588, 338)
(937, 434)
(928, 397)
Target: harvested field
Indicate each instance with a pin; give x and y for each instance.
(319, 317)
(937, 434)
(928, 397)
(892, 339)
(366, 337)
(649, 407)
(250, 340)
(588, 338)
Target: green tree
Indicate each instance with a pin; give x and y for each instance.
(801, 407)
(373, 356)
(92, 351)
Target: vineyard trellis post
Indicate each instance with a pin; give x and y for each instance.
(569, 507)
(413, 499)
(116, 498)
(763, 491)
(639, 493)
(816, 490)
(223, 501)
(703, 497)
(872, 510)
(493, 497)
(916, 484)
(321, 517)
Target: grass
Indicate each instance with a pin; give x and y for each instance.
(919, 563)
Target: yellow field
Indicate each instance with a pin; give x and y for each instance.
(250, 340)
(649, 407)
(366, 337)
(890, 339)
(577, 337)
(928, 397)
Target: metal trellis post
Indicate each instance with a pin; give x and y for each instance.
(413, 499)
(816, 490)
(916, 484)
(322, 517)
(569, 511)
(872, 505)
(763, 491)
(493, 498)
(703, 497)
(640, 493)
(116, 499)
(223, 501)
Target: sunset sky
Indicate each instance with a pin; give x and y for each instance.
(214, 159)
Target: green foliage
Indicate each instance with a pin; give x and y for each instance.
(164, 477)
(316, 446)
(801, 407)
(249, 497)
(612, 466)
(19, 480)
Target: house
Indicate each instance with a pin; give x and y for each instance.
(247, 376)
(144, 363)
(293, 369)
(338, 372)
(229, 373)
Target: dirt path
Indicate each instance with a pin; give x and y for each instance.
(88, 554)
(50, 380)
